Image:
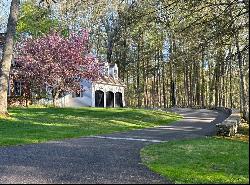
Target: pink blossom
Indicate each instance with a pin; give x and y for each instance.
(56, 61)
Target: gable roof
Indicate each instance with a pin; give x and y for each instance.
(110, 81)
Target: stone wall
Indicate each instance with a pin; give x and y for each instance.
(229, 127)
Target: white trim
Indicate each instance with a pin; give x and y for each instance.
(105, 98)
(129, 139)
(110, 84)
(81, 91)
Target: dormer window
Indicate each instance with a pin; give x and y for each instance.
(110, 70)
(115, 73)
(106, 71)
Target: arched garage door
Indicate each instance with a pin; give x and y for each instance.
(118, 99)
(99, 99)
(110, 99)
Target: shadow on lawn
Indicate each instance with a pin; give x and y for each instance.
(42, 124)
(94, 111)
(52, 115)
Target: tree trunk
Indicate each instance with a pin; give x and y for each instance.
(190, 92)
(109, 51)
(203, 81)
(55, 95)
(186, 86)
(138, 84)
(7, 55)
(230, 82)
(198, 95)
(173, 75)
(164, 87)
(239, 57)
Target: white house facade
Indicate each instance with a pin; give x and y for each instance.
(106, 91)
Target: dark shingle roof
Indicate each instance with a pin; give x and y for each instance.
(110, 81)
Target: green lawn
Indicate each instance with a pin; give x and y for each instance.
(34, 125)
(209, 160)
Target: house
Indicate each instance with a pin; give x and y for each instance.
(106, 91)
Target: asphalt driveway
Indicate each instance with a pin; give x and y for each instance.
(113, 158)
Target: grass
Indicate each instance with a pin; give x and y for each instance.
(205, 161)
(35, 125)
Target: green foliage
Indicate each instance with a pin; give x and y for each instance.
(200, 161)
(160, 42)
(34, 125)
(36, 20)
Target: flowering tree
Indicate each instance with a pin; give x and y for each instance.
(56, 62)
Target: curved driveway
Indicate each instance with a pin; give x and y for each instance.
(113, 158)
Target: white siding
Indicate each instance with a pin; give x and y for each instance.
(86, 97)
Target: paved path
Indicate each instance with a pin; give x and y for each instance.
(105, 159)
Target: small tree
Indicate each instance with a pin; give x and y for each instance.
(57, 62)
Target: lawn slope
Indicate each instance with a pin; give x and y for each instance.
(34, 125)
(205, 161)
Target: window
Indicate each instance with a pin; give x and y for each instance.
(14, 64)
(79, 93)
(115, 73)
(106, 71)
(49, 89)
(17, 88)
(76, 94)
(8, 88)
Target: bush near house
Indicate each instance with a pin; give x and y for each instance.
(16, 101)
